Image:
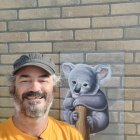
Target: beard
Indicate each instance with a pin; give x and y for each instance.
(33, 104)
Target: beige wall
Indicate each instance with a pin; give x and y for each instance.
(79, 31)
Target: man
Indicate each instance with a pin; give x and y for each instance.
(32, 87)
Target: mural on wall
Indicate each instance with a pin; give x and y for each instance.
(84, 90)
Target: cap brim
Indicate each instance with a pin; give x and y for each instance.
(45, 67)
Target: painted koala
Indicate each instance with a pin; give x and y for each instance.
(84, 81)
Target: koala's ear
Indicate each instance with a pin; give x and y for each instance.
(103, 72)
(66, 68)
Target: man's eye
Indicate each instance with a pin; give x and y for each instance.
(43, 81)
(25, 81)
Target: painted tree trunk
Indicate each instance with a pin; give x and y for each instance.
(81, 124)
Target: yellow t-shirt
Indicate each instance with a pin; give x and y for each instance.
(56, 130)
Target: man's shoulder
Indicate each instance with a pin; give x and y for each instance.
(65, 129)
(5, 125)
(60, 123)
(5, 122)
(63, 125)
(2, 122)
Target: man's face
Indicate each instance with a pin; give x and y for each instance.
(33, 91)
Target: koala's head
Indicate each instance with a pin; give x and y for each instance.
(84, 79)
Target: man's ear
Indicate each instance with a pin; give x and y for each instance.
(66, 68)
(103, 72)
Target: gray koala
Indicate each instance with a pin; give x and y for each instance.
(84, 81)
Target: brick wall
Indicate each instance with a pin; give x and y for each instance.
(78, 31)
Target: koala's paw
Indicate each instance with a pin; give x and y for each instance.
(90, 122)
(76, 102)
(74, 117)
(68, 103)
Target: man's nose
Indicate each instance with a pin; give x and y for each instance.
(35, 86)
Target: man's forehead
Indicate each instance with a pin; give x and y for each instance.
(31, 70)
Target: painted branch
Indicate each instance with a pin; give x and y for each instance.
(81, 124)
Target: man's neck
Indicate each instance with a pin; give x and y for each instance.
(31, 126)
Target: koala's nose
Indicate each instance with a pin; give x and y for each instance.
(77, 88)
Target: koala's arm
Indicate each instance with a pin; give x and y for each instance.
(67, 116)
(70, 116)
(68, 101)
(96, 102)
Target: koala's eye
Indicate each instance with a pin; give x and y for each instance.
(85, 84)
(74, 82)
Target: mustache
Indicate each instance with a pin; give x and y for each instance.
(29, 94)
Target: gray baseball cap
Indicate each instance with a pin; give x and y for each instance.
(34, 59)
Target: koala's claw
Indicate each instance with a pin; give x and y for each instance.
(76, 102)
(74, 117)
(68, 103)
(90, 121)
